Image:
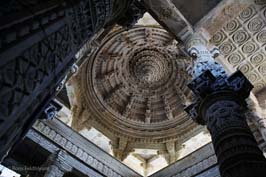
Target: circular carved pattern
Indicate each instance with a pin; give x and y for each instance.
(240, 36)
(245, 68)
(252, 77)
(218, 38)
(165, 13)
(262, 37)
(231, 26)
(262, 69)
(227, 47)
(149, 67)
(259, 86)
(247, 13)
(234, 58)
(257, 59)
(134, 87)
(256, 24)
(249, 48)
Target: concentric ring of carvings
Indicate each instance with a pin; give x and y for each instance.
(121, 49)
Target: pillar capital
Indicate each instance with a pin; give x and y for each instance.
(57, 165)
(195, 40)
(120, 148)
(197, 48)
(209, 88)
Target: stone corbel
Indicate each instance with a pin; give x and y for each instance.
(120, 148)
(170, 153)
(80, 115)
(57, 165)
(81, 118)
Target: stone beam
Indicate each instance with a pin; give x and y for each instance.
(172, 154)
(46, 144)
(218, 16)
(166, 13)
(55, 135)
(188, 166)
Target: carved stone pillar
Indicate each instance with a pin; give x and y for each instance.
(221, 105)
(57, 166)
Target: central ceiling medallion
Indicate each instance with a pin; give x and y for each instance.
(135, 76)
(134, 86)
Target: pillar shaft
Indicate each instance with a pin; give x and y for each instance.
(221, 105)
(236, 149)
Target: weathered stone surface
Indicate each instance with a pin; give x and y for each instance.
(242, 44)
(77, 146)
(133, 89)
(194, 163)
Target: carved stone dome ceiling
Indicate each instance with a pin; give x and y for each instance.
(135, 84)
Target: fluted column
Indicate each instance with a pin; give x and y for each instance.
(220, 105)
(57, 166)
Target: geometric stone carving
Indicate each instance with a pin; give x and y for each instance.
(134, 87)
(191, 165)
(57, 165)
(88, 154)
(246, 50)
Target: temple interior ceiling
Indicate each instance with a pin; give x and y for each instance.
(92, 76)
(187, 8)
(134, 86)
(132, 89)
(242, 43)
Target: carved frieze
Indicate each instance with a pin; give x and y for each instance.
(88, 158)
